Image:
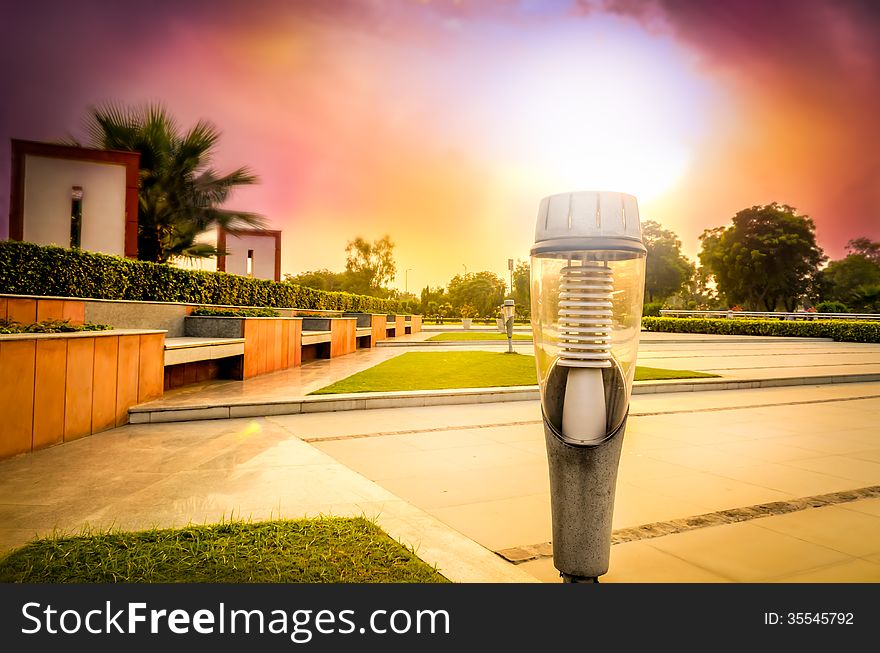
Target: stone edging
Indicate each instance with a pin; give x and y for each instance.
(418, 398)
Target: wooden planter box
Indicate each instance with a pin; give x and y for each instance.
(59, 387)
(270, 343)
(376, 323)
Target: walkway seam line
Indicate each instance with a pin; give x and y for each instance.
(439, 429)
(520, 554)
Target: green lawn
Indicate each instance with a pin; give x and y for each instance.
(659, 374)
(326, 550)
(477, 335)
(462, 369)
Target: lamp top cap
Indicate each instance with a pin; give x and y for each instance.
(509, 302)
(589, 220)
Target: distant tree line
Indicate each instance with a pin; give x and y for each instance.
(369, 268)
(766, 259)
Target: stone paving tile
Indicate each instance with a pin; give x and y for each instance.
(850, 571)
(868, 506)
(861, 471)
(498, 524)
(747, 553)
(636, 505)
(464, 487)
(854, 533)
(634, 562)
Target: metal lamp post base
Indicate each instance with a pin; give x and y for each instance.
(583, 479)
(582, 484)
(578, 579)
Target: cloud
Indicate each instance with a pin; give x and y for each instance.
(803, 91)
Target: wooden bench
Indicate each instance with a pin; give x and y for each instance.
(328, 337)
(188, 350)
(190, 360)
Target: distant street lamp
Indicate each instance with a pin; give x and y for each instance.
(406, 280)
(465, 269)
(508, 311)
(510, 267)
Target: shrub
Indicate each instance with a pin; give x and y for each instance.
(652, 309)
(28, 269)
(832, 307)
(50, 326)
(841, 330)
(206, 311)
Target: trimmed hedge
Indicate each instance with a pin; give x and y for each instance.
(28, 269)
(832, 307)
(652, 309)
(207, 311)
(840, 330)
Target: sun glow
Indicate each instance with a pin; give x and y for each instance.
(591, 115)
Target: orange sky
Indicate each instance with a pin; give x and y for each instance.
(444, 123)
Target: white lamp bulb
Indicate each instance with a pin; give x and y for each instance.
(585, 339)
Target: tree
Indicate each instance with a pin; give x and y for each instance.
(866, 247)
(446, 311)
(431, 309)
(179, 194)
(666, 269)
(866, 299)
(481, 291)
(436, 295)
(842, 278)
(697, 292)
(522, 288)
(370, 265)
(319, 279)
(767, 256)
(407, 302)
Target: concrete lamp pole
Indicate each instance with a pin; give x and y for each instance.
(406, 280)
(588, 280)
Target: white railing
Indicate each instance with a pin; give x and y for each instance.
(778, 315)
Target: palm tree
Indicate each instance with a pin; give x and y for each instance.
(179, 192)
(865, 299)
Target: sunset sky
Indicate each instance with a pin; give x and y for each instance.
(443, 123)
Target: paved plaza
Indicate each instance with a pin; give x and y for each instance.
(467, 485)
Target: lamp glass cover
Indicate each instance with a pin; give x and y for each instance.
(621, 276)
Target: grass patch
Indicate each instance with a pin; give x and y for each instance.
(50, 326)
(477, 335)
(210, 311)
(659, 374)
(325, 550)
(440, 370)
(462, 369)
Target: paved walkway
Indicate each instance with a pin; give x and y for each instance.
(483, 471)
(756, 358)
(735, 357)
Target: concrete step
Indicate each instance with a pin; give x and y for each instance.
(157, 412)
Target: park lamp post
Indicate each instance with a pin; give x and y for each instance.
(508, 312)
(588, 279)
